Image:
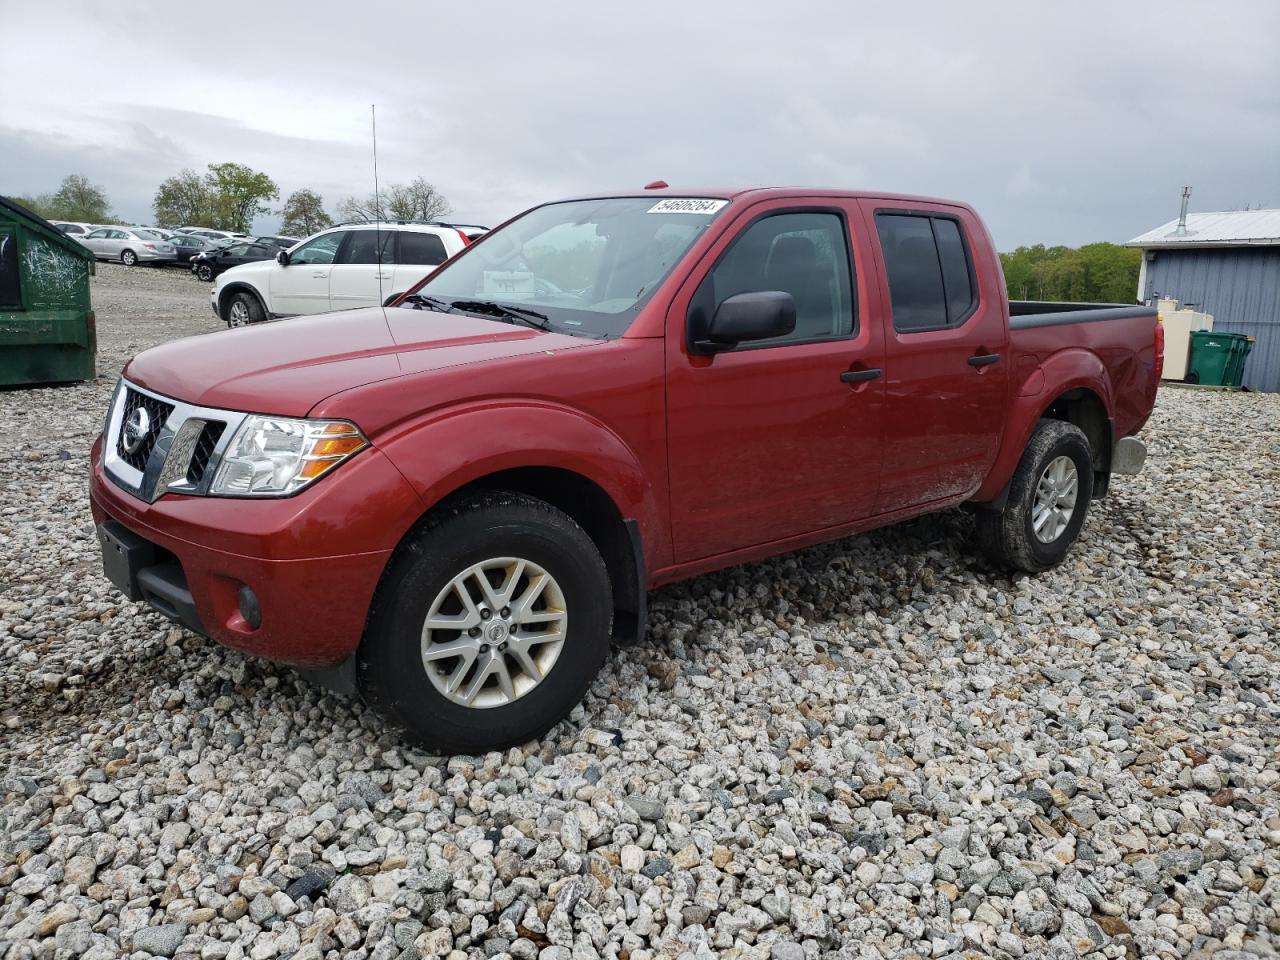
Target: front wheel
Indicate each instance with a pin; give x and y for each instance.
(204, 272)
(244, 309)
(1048, 500)
(490, 625)
(129, 258)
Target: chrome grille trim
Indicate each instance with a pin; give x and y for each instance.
(168, 467)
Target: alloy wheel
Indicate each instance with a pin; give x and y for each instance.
(1055, 500)
(494, 632)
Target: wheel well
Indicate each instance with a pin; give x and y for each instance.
(229, 291)
(616, 537)
(1086, 410)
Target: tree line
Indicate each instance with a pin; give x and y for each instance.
(1094, 273)
(230, 196)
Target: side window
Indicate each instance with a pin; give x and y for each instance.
(363, 247)
(930, 283)
(803, 254)
(421, 249)
(320, 250)
(236, 250)
(10, 287)
(97, 235)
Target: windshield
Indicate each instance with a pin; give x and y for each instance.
(587, 265)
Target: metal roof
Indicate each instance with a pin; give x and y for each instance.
(1234, 228)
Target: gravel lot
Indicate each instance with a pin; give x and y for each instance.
(876, 748)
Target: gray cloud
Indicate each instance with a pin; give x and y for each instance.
(1061, 125)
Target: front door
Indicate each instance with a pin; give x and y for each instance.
(363, 273)
(303, 285)
(947, 369)
(777, 438)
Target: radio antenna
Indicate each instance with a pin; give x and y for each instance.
(377, 202)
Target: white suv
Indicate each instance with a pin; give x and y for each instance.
(336, 269)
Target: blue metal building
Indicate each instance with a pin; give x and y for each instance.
(1227, 265)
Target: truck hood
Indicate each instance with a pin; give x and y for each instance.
(287, 367)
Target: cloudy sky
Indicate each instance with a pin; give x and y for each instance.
(1064, 126)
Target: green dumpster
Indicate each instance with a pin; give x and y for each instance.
(47, 332)
(1212, 356)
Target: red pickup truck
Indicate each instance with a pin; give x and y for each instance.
(453, 503)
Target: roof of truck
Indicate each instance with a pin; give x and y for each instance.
(766, 193)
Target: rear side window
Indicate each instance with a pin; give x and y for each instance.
(363, 247)
(928, 266)
(10, 288)
(421, 249)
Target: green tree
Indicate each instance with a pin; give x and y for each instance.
(238, 194)
(304, 214)
(78, 199)
(1097, 272)
(39, 205)
(183, 199)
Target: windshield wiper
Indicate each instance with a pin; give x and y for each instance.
(531, 318)
(434, 303)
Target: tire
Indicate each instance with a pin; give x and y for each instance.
(1056, 453)
(500, 530)
(128, 258)
(242, 310)
(204, 272)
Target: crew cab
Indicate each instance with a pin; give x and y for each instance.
(351, 265)
(453, 503)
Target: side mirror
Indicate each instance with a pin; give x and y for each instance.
(282, 258)
(759, 315)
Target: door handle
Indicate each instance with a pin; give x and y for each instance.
(320, 275)
(382, 276)
(984, 359)
(857, 376)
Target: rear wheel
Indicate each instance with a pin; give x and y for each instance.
(490, 626)
(128, 258)
(1048, 500)
(243, 309)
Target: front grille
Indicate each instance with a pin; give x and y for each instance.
(157, 413)
(205, 445)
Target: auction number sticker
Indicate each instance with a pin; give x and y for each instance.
(687, 205)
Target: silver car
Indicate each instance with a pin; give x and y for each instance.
(130, 245)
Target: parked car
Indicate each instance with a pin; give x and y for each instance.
(129, 245)
(336, 269)
(211, 234)
(187, 245)
(284, 243)
(217, 259)
(456, 504)
(77, 231)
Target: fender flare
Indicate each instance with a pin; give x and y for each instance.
(240, 286)
(500, 434)
(1072, 369)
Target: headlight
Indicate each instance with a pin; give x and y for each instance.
(276, 456)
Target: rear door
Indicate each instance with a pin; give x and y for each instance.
(303, 285)
(362, 273)
(417, 255)
(779, 438)
(946, 368)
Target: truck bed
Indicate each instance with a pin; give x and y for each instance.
(1046, 313)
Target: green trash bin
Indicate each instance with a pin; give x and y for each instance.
(1240, 353)
(1211, 357)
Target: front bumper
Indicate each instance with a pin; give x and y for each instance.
(312, 561)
